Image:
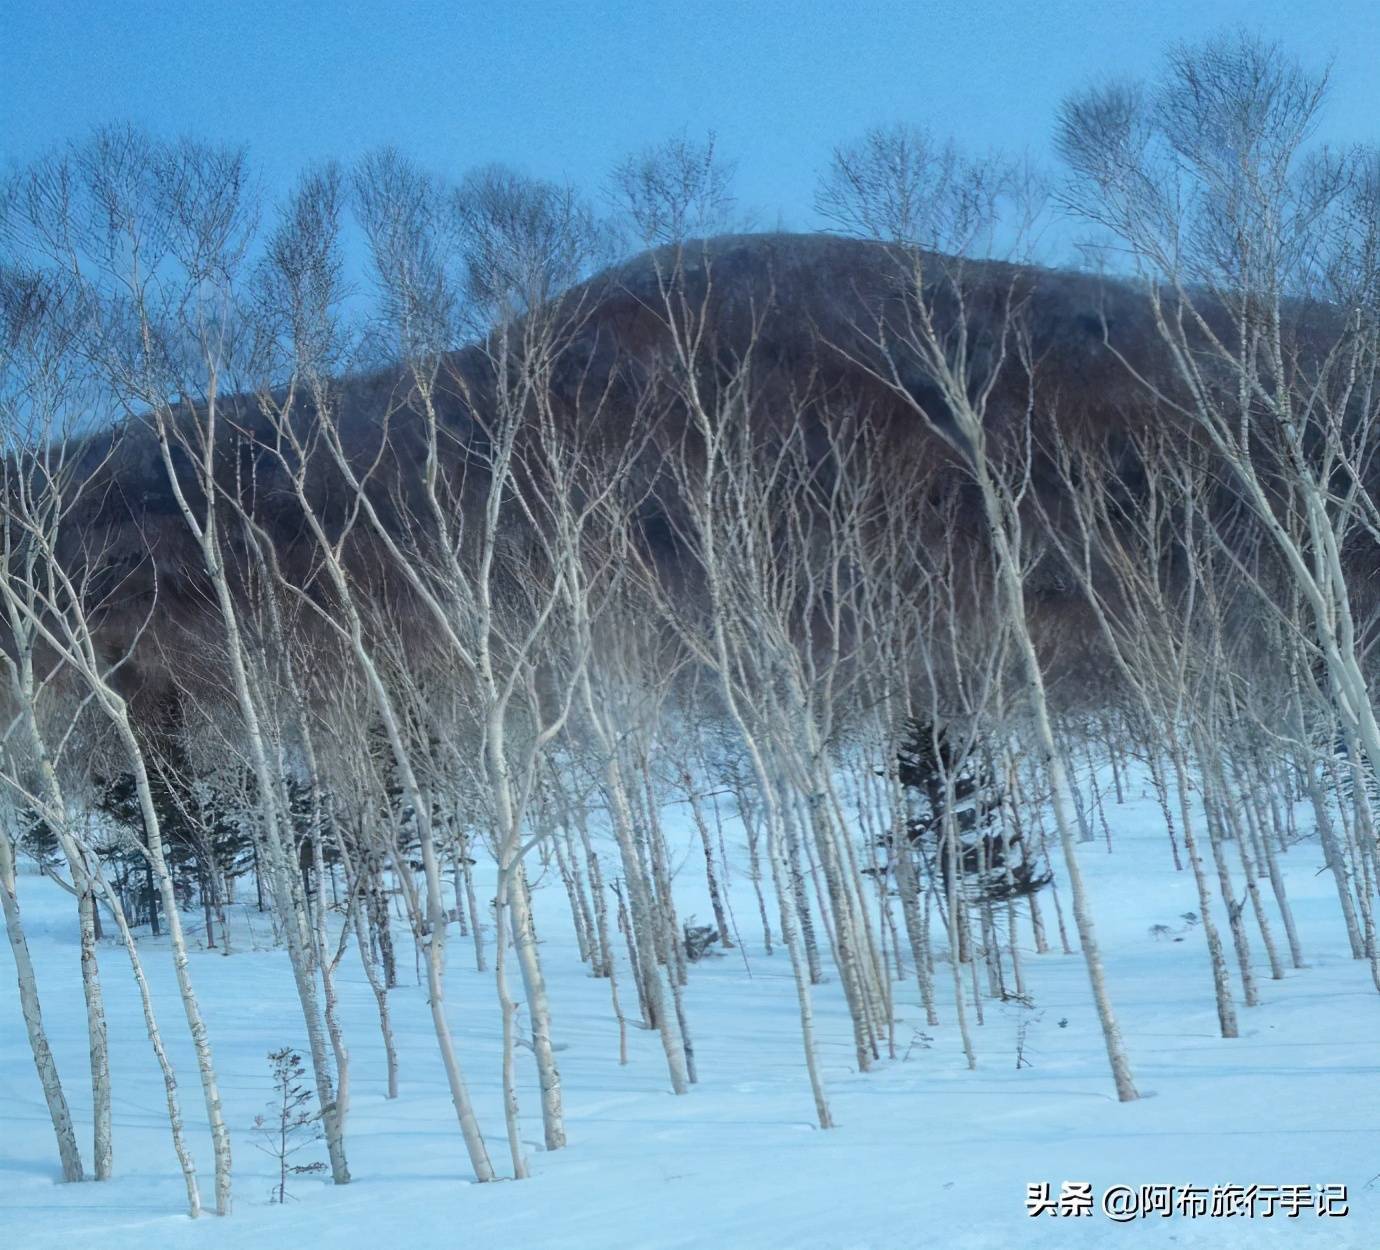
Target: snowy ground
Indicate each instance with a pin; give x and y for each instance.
(927, 1154)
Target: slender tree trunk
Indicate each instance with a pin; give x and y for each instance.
(1015, 597)
(32, 1012)
(380, 992)
(155, 1036)
(1234, 909)
(509, 1010)
(953, 905)
(102, 1139)
(539, 1010)
(1221, 979)
(220, 1136)
(711, 878)
(642, 922)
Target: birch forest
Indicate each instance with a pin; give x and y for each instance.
(428, 598)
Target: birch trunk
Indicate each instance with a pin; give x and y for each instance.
(32, 1012)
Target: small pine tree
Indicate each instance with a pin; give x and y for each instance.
(928, 756)
(290, 1125)
(38, 839)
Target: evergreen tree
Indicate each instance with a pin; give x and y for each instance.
(956, 795)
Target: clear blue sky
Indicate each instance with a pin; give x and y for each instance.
(564, 89)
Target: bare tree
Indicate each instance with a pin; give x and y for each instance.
(1258, 263)
(966, 345)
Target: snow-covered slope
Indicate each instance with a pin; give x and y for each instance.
(926, 1152)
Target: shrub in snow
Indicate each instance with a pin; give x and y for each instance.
(290, 1125)
(699, 939)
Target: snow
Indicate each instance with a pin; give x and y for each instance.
(927, 1153)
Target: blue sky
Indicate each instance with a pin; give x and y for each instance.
(564, 89)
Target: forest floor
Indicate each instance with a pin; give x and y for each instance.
(926, 1152)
